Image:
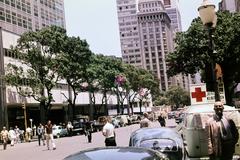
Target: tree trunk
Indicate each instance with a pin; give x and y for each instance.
(140, 106)
(105, 104)
(43, 112)
(90, 106)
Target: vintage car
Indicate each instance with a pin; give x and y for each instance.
(164, 140)
(117, 153)
(194, 130)
(59, 131)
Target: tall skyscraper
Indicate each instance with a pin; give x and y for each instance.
(146, 29)
(18, 16)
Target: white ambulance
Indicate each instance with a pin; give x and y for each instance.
(194, 131)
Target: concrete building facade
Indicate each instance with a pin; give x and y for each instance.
(230, 5)
(18, 16)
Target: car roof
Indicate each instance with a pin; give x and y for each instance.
(117, 153)
(161, 132)
(201, 108)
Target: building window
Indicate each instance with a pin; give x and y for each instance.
(18, 4)
(8, 16)
(19, 20)
(13, 3)
(2, 14)
(7, 2)
(14, 18)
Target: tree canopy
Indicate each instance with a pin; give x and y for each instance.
(192, 50)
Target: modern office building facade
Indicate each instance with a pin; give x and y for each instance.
(147, 29)
(17, 17)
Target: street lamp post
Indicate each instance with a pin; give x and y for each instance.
(209, 19)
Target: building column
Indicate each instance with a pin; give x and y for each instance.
(3, 106)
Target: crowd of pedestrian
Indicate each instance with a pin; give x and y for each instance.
(15, 135)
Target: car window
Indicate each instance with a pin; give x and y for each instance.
(160, 144)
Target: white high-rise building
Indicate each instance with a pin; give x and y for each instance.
(147, 29)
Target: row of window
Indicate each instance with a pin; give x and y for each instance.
(53, 4)
(157, 17)
(126, 7)
(150, 5)
(7, 53)
(19, 4)
(16, 19)
(50, 17)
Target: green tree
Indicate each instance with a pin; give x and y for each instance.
(194, 54)
(73, 62)
(108, 68)
(36, 77)
(177, 97)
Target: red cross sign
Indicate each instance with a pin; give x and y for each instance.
(198, 93)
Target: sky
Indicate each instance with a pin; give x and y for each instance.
(96, 22)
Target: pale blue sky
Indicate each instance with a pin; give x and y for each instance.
(96, 21)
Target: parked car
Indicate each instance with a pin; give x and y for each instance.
(59, 131)
(123, 120)
(117, 153)
(180, 118)
(164, 140)
(134, 119)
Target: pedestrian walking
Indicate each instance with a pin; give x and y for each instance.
(41, 134)
(12, 136)
(49, 136)
(4, 137)
(161, 120)
(69, 128)
(145, 122)
(28, 134)
(222, 135)
(109, 132)
(88, 128)
(17, 132)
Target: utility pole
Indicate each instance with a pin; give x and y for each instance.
(25, 114)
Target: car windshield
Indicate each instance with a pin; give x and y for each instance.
(160, 144)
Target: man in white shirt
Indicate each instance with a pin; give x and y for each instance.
(109, 133)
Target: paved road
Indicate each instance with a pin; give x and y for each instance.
(66, 145)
